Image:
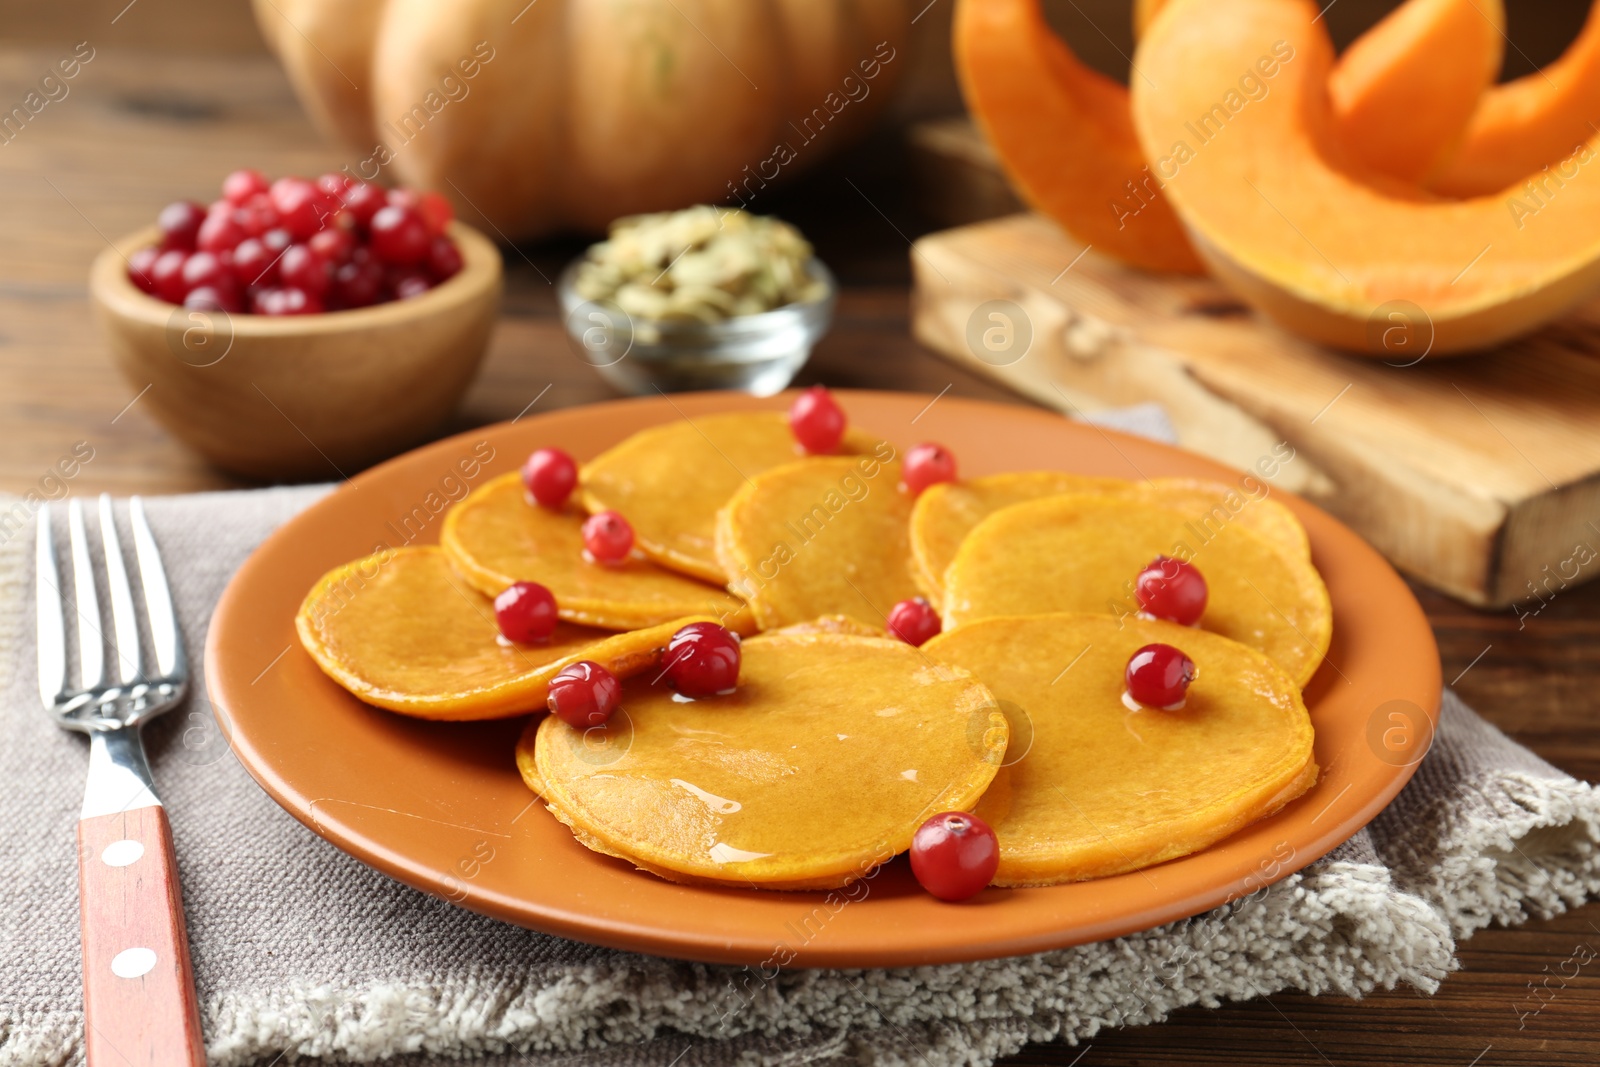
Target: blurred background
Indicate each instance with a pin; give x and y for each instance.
(179, 92)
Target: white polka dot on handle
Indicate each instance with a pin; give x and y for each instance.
(133, 963)
(122, 853)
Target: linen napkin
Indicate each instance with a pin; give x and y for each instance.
(301, 953)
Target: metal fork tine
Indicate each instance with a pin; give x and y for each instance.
(164, 635)
(125, 649)
(91, 639)
(52, 627)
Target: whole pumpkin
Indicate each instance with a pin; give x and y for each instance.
(552, 115)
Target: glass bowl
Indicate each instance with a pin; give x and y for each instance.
(758, 354)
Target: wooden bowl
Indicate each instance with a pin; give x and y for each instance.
(307, 396)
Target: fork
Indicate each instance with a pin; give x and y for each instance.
(138, 987)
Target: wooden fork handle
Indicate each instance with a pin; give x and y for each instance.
(138, 987)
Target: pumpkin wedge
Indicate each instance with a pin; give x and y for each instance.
(1528, 123)
(1329, 257)
(402, 630)
(1063, 134)
(1404, 92)
(1399, 108)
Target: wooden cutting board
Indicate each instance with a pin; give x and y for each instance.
(1478, 475)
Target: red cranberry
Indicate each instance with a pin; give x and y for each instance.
(914, 621)
(254, 263)
(816, 420)
(180, 224)
(140, 265)
(277, 239)
(607, 537)
(525, 612)
(954, 855)
(219, 233)
(926, 465)
(1171, 589)
(399, 236)
(358, 283)
(584, 694)
(333, 244)
(301, 268)
(257, 215)
(205, 298)
(363, 200)
(550, 475)
(333, 184)
(301, 206)
(166, 275)
(436, 213)
(286, 302)
(411, 284)
(207, 270)
(702, 660)
(444, 258)
(241, 185)
(1159, 675)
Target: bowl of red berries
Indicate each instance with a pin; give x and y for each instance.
(300, 329)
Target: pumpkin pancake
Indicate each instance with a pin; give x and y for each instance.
(1101, 790)
(496, 537)
(670, 480)
(832, 624)
(1212, 505)
(946, 513)
(821, 764)
(1081, 552)
(824, 536)
(402, 630)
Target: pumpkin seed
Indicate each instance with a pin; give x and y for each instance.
(701, 264)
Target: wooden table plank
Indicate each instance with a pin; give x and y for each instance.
(138, 131)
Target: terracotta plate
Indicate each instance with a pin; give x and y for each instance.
(440, 806)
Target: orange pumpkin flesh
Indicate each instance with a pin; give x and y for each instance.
(1314, 248)
(1532, 122)
(1063, 134)
(1403, 92)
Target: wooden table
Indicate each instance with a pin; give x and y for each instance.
(139, 131)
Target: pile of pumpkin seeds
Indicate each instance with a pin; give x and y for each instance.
(701, 264)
